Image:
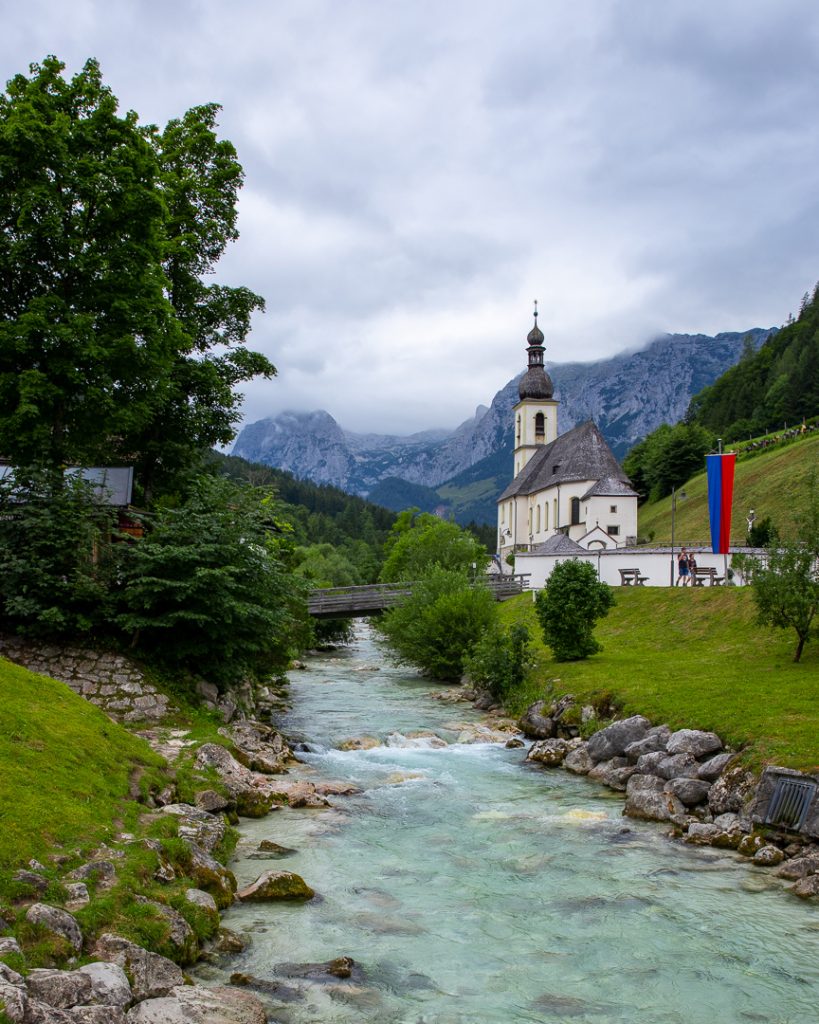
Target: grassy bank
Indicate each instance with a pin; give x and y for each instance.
(697, 659)
(770, 483)
(65, 767)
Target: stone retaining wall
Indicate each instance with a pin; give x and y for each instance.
(111, 681)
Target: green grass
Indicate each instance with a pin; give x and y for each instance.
(771, 483)
(64, 767)
(693, 659)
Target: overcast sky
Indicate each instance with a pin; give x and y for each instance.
(417, 173)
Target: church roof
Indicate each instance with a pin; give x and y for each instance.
(580, 454)
(609, 487)
(558, 544)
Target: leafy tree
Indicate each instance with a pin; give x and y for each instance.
(568, 608)
(54, 564)
(111, 345)
(786, 581)
(207, 589)
(322, 565)
(86, 333)
(418, 541)
(666, 458)
(500, 659)
(436, 626)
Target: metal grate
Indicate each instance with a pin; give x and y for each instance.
(790, 802)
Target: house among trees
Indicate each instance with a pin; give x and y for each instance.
(568, 488)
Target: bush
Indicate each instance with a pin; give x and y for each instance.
(568, 608)
(499, 660)
(438, 624)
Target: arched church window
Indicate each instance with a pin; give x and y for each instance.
(518, 428)
(538, 519)
(575, 511)
(540, 427)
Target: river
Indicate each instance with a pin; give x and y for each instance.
(470, 887)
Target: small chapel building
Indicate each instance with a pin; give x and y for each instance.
(568, 488)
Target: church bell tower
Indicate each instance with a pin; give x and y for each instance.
(536, 412)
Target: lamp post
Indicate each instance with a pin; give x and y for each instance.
(673, 517)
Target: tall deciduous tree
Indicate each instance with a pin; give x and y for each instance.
(111, 344)
(420, 541)
(568, 608)
(87, 334)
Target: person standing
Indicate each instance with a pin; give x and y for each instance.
(682, 568)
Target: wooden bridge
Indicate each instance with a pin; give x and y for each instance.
(358, 602)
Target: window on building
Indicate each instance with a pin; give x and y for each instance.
(540, 427)
(538, 519)
(545, 515)
(612, 508)
(518, 428)
(575, 511)
(613, 531)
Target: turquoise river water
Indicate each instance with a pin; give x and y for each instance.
(470, 887)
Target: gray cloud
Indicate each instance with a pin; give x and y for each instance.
(417, 173)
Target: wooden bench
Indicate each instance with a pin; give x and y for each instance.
(631, 577)
(706, 572)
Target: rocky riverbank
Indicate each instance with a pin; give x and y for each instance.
(688, 778)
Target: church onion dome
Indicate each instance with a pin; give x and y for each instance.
(535, 336)
(535, 383)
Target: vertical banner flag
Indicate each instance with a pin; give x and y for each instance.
(720, 497)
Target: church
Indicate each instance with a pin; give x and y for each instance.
(568, 493)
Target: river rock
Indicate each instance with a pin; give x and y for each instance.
(151, 975)
(694, 742)
(549, 752)
(34, 882)
(614, 773)
(654, 740)
(210, 875)
(701, 833)
(211, 801)
(648, 764)
(732, 791)
(799, 867)
(205, 829)
(298, 794)
(690, 791)
(192, 1004)
(514, 742)
(259, 746)
(59, 988)
(534, 723)
(647, 797)
(203, 900)
(227, 941)
(56, 921)
(578, 761)
(807, 888)
(180, 936)
(240, 782)
(109, 983)
(14, 1001)
(360, 743)
(678, 766)
(613, 740)
(336, 788)
(711, 769)
(101, 873)
(769, 856)
(276, 885)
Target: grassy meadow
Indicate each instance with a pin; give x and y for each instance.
(694, 659)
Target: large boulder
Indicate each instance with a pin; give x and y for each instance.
(578, 761)
(59, 988)
(535, 724)
(678, 766)
(694, 742)
(243, 786)
(57, 922)
(276, 885)
(259, 746)
(549, 753)
(690, 791)
(711, 769)
(151, 975)
(191, 1004)
(654, 740)
(614, 773)
(647, 797)
(211, 876)
(109, 983)
(197, 824)
(732, 791)
(613, 740)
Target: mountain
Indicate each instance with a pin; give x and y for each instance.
(627, 396)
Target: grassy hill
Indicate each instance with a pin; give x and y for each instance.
(65, 767)
(770, 483)
(694, 659)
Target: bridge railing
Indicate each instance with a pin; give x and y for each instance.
(375, 597)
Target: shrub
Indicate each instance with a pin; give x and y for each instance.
(568, 608)
(437, 625)
(500, 659)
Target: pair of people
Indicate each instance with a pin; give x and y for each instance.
(686, 564)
